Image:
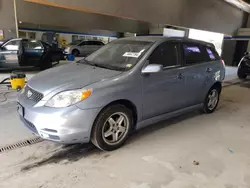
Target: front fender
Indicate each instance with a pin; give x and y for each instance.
(106, 93)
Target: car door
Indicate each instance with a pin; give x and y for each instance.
(8, 54)
(54, 54)
(164, 92)
(95, 45)
(90, 47)
(33, 52)
(84, 48)
(197, 70)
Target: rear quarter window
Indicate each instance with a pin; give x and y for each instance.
(212, 54)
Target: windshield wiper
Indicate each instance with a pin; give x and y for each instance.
(86, 62)
(101, 66)
(106, 66)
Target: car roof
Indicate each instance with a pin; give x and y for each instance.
(84, 40)
(164, 38)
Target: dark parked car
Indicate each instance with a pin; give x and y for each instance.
(16, 53)
(244, 66)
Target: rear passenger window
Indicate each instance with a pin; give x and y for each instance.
(194, 54)
(92, 43)
(165, 54)
(97, 43)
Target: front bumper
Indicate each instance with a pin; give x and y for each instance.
(64, 125)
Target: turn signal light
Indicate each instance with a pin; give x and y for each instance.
(86, 94)
(222, 62)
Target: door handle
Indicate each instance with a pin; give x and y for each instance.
(180, 76)
(209, 70)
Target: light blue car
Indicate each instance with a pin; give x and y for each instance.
(126, 85)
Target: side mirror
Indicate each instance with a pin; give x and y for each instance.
(152, 68)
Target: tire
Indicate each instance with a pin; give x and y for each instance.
(241, 75)
(209, 106)
(75, 52)
(104, 124)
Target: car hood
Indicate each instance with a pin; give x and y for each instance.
(73, 76)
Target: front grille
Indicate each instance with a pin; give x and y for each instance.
(33, 94)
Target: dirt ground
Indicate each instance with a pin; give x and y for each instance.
(192, 151)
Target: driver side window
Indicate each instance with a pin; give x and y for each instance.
(12, 45)
(165, 54)
(32, 45)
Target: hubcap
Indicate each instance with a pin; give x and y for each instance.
(213, 98)
(115, 128)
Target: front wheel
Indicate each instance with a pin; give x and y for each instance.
(112, 127)
(212, 100)
(75, 53)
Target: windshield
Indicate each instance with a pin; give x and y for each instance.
(119, 55)
(76, 42)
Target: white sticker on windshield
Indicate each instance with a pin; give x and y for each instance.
(133, 54)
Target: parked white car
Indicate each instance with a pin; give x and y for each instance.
(83, 48)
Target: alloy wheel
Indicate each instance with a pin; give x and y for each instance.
(115, 128)
(213, 99)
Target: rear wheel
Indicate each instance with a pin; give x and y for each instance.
(75, 53)
(212, 100)
(112, 127)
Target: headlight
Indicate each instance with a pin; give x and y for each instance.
(67, 49)
(68, 98)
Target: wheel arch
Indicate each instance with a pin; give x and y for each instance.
(127, 103)
(217, 85)
(95, 131)
(75, 49)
